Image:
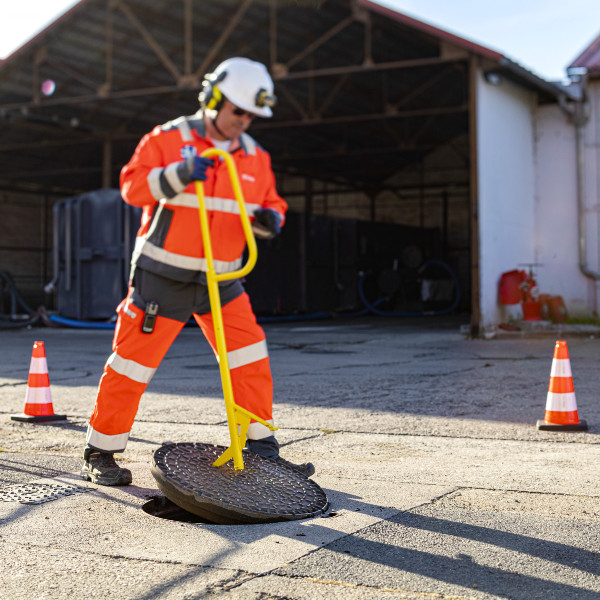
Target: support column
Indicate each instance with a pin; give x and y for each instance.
(107, 164)
(474, 201)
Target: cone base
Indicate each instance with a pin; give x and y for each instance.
(545, 426)
(37, 419)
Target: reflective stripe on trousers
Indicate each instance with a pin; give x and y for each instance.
(248, 359)
(137, 355)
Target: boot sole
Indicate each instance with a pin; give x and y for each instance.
(124, 479)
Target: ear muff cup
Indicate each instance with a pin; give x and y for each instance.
(211, 97)
(214, 98)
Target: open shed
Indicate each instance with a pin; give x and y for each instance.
(394, 142)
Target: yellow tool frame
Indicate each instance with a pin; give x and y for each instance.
(238, 418)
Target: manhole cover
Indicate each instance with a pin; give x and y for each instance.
(38, 493)
(263, 492)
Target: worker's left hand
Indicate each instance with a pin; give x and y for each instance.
(267, 223)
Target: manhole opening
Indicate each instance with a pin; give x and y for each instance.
(162, 507)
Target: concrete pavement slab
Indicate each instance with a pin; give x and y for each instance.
(501, 464)
(47, 573)
(465, 553)
(424, 441)
(112, 520)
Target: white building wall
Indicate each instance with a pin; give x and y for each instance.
(557, 227)
(506, 173)
(591, 177)
(591, 193)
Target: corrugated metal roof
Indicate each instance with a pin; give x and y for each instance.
(589, 58)
(364, 91)
(432, 30)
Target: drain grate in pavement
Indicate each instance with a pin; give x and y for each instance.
(38, 493)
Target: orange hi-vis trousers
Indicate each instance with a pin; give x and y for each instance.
(137, 355)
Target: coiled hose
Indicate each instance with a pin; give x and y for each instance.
(16, 303)
(372, 306)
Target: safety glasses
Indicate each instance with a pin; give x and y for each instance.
(240, 112)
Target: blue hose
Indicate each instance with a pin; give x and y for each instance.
(104, 325)
(285, 318)
(371, 307)
(364, 311)
(81, 324)
(423, 313)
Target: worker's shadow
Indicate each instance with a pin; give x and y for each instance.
(460, 551)
(436, 544)
(437, 550)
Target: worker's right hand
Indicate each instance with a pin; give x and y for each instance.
(267, 223)
(197, 167)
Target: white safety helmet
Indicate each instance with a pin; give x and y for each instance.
(244, 82)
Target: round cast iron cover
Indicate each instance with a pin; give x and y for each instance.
(264, 491)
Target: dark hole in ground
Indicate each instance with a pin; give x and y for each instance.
(162, 507)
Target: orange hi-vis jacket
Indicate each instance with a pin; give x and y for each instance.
(169, 241)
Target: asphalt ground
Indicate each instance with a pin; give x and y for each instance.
(440, 485)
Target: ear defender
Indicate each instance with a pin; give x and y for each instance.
(211, 97)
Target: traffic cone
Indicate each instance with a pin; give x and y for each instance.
(561, 406)
(38, 401)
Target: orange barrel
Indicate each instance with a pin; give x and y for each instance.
(510, 287)
(544, 308)
(531, 310)
(557, 309)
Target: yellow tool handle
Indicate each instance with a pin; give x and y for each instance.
(234, 413)
(239, 196)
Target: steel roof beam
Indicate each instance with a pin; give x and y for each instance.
(147, 36)
(419, 112)
(354, 152)
(327, 72)
(319, 41)
(218, 45)
(58, 143)
(350, 69)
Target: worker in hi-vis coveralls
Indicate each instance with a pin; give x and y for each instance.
(168, 283)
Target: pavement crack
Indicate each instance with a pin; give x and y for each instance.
(233, 585)
(303, 439)
(435, 499)
(387, 590)
(590, 441)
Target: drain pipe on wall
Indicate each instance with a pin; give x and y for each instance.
(578, 112)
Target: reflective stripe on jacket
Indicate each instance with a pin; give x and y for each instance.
(169, 241)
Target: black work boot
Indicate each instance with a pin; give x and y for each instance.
(307, 469)
(269, 448)
(101, 468)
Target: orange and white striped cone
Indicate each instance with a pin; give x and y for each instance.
(38, 401)
(561, 406)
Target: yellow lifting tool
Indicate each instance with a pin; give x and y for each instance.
(238, 418)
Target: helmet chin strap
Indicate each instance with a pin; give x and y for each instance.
(214, 122)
